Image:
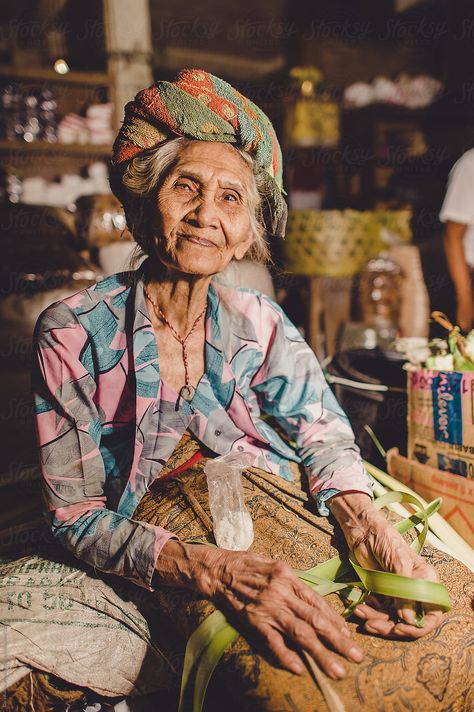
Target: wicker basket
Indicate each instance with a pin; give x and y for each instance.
(338, 243)
(311, 122)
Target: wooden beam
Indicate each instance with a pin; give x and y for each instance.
(93, 79)
(129, 50)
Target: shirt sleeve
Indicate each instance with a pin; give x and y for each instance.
(458, 203)
(291, 386)
(68, 429)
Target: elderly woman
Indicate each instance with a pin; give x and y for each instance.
(130, 368)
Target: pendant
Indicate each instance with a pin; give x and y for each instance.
(187, 393)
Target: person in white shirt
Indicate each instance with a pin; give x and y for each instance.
(457, 213)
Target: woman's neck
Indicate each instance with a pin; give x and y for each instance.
(180, 297)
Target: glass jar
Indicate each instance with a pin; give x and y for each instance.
(380, 296)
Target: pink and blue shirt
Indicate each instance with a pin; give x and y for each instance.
(106, 423)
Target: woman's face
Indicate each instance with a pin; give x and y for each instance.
(203, 211)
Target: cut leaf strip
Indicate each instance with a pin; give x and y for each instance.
(208, 661)
(197, 643)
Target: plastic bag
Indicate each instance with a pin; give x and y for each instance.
(232, 524)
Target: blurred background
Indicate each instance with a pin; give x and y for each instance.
(373, 102)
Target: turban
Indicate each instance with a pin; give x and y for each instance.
(203, 107)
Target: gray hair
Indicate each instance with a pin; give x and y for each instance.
(147, 171)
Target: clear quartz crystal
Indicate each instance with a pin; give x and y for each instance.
(232, 524)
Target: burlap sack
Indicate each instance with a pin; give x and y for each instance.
(60, 618)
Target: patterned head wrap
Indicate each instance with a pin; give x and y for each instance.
(201, 106)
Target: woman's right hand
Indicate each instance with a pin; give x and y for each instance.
(265, 596)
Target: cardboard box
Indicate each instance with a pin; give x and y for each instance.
(456, 492)
(441, 420)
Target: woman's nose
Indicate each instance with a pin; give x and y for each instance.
(204, 212)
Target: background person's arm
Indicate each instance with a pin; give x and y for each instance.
(460, 273)
(457, 212)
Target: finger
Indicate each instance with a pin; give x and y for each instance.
(328, 662)
(380, 627)
(310, 598)
(374, 601)
(402, 562)
(296, 632)
(406, 610)
(327, 628)
(431, 622)
(368, 613)
(285, 656)
(392, 629)
(423, 570)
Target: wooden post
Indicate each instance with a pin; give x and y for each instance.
(336, 297)
(329, 310)
(314, 317)
(129, 50)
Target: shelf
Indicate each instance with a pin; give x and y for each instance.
(96, 79)
(329, 154)
(388, 111)
(58, 149)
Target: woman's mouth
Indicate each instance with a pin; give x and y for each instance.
(198, 240)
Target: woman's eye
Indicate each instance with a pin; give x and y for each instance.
(230, 197)
(184, 186)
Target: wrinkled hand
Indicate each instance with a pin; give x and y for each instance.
(266, 597)
(377, 545)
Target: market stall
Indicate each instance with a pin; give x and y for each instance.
(332, 355)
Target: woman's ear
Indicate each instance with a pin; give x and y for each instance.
(243, 247)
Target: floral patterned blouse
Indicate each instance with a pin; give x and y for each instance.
(106, 423)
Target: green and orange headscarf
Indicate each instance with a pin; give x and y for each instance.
(201, 106)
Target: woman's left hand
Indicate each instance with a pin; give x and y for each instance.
(377, 545)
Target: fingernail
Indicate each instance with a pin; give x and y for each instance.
(356, 655)
(360, 612)
(337, 670)
(296, 668)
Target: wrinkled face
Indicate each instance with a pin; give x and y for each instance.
(203, 211)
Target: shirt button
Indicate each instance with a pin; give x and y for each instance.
(240, 448)
(217, 433)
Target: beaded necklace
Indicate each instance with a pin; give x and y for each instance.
(187, 391)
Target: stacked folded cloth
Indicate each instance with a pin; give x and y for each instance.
(99, 123)
(73, 129)
(95, 127)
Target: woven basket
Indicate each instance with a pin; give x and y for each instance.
(311, 122)
(338, 243)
